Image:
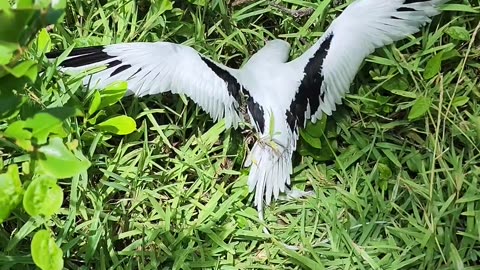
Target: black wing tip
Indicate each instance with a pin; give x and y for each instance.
(83, 56)
(76, 51)
(406, 2)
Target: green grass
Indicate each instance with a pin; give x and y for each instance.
(391, 192)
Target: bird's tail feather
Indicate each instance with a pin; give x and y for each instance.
(271, 166)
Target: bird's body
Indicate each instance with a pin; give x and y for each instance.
(280, 95)
(270, 157)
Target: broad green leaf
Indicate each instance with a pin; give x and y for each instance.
(20, 135)
(93, 120)
(198, 2)
(458, 33)
(59, 162)
(323, 154)
(453, 53)
(18, 26)
(419, 108)
(13, 22)
(159, 7)
(43, 197)
(24, 4)
(434, 66)
(45, 252)
(11, 191)
(112, 94)
(27, 68)
(348, 157)
(120, 125)
(32, 73)
(397, 83)
(95, 103)
(16, 130)
(407, 94)
(43, 42)
(4, 5)
(6, 53)
(316, 130)
(10, 104)
(49, 121)
(315, 142)
(384, 171)
(9, 83)
(460, 101)
(384, 175)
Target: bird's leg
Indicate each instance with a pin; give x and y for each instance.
(294, 194)
(298, 194)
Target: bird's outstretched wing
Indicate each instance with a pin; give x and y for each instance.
(152, 68)
(326, 70)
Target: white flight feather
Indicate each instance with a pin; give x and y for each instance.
(162, 66)
(363, 26)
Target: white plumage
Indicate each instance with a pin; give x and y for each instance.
(280, 96)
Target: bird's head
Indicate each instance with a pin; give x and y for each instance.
(274, 51)
(278, 44)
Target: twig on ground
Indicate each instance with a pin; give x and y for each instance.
(297, 14)
(242, 2)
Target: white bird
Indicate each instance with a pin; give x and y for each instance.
(280, 96)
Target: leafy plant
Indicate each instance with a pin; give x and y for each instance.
(395, 169)
(37, 136)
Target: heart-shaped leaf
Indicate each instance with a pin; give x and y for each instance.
(60, 162)
(315, 142)
(22, 69)
(11, 191)
(43, 197)
(43, 41)
(458, 33)
(10, 104)
(120, 125)
(112, 94)
(95, 103)
(420, 107)
(20, 135)
(45, 252)
(49, 121)
(434, 66)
